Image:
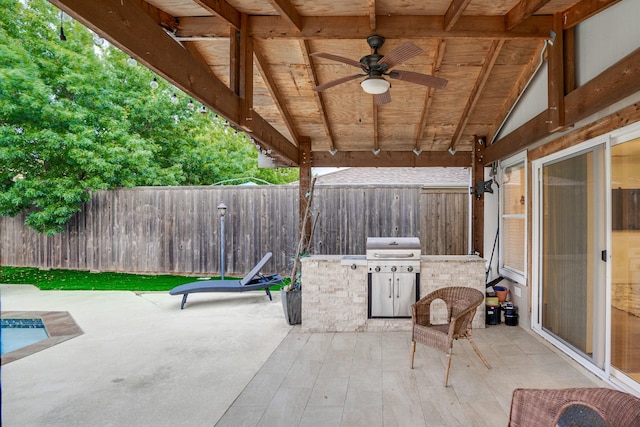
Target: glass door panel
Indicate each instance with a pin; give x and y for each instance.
(625, 258)
(571, 271)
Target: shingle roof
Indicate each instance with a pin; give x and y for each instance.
(432, 177)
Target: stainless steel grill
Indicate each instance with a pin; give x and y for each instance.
(393, 265)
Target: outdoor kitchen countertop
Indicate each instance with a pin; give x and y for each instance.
(362, 259)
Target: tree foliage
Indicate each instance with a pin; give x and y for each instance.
(76, 117)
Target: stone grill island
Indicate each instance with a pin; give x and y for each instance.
(335, 291)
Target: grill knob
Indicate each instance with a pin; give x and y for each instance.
(393, 268)
(410, 269)
(377, 269)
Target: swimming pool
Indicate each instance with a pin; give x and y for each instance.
(18, 333)
(38, 330)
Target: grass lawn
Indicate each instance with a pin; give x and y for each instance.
(74, 280)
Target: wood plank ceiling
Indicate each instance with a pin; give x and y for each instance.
(250, 61)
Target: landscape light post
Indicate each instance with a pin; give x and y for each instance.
(222, 209)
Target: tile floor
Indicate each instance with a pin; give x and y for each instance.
(364, 379)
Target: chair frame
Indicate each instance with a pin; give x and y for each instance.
(544, 407)
(461, 303)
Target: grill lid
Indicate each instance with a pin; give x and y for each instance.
(405, 249)
(382, 243)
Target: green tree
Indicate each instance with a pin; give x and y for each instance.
(76, 117)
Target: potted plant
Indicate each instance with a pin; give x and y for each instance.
(291, 294)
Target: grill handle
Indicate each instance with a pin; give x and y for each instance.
(378, 255)
(390, 289)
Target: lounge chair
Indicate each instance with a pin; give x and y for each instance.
(251, 282)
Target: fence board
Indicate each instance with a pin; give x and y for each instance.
(176, 230)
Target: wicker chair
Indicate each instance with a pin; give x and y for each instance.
(461, 308)
(548, 407)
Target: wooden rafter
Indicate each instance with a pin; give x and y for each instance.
(223, 10)
(521, 11)
(436, 61)
(476, 92)
(313, 77)
(288, 12)
(454, 12)
(278, 99)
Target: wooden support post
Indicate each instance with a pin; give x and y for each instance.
(480, 144)
(556, 76)
(304, 154)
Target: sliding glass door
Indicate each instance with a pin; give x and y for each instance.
(572, 273)
(625, 259)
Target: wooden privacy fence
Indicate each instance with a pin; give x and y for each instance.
(176, 230)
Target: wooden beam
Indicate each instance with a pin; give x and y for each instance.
(477, 231)
(476, 91)
(288, 12)
(454, 12)
(522, 10)
(272, 87)
(262, 131)
(246, 73)
(610, 123)
(609, 87)
(436, 62)
(313, 77)
(128, 28)
(234, 60)
(514, 94)
(304, 186)
(584, 10)
(555, 78)
(405, 27)
(223, 10)
(569, 55)
(391, 159)
(372, 15)
(202, 27)
(616, 83)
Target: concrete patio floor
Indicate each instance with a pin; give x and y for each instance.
(231, 360)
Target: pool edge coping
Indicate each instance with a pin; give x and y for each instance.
(60, 327)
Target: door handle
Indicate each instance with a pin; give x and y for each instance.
(390, 289)
(398, 288)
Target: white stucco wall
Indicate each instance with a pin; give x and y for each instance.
(601, 41)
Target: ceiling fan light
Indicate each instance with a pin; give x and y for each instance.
(375, 85)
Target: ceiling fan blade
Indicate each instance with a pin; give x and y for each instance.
(418, 78)
(382, 98)
(338, 58)
(400, 54)
(336, 82)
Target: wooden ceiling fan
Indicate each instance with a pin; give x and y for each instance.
(377, 66)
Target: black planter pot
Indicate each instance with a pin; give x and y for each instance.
(292, 306)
